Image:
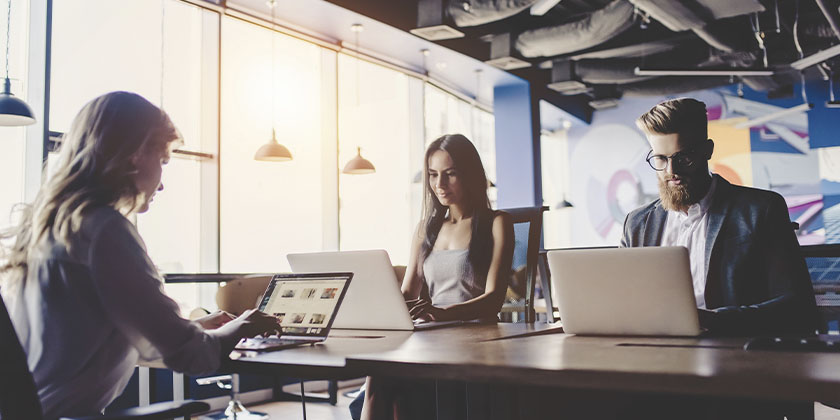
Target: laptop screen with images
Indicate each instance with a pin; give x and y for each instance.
(305, 304)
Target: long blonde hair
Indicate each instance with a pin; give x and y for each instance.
(94, 168)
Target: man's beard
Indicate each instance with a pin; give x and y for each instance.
(678, 197)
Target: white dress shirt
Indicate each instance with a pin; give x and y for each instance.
(689, 230)
(87, 314)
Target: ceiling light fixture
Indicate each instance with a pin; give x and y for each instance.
(358, 165)
(13, 111)
(430, 22)
(719, 72)
(272, 151)
(816, 58)
(541, 7)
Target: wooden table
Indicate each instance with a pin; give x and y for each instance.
(328, 360)
(519, 354)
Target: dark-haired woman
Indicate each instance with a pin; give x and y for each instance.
(462, 249)
(460, 260)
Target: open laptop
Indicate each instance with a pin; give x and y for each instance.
(305, 304)
(375, 301)
(625, 291)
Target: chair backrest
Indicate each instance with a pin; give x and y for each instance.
(18, 395)
(824, 267)
(241, 294)
(532, 218)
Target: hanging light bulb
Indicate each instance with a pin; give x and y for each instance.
(358, 165)
(272, 151)
(13, 111)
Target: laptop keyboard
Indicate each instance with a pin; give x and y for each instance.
(267, 343)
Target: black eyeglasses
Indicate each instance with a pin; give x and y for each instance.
(684, 159)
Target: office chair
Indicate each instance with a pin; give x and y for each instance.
(19, 397)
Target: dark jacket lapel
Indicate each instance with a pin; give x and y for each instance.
(717, 214)
(654, 226)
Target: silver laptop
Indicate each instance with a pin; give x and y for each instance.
(374, 301)
(305, 304)
(625, 291)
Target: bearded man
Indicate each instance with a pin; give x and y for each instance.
(749, 275)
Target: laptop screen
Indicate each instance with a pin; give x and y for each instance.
(305, 304)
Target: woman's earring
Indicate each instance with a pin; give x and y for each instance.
(446, 215)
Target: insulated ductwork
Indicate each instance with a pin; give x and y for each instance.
(635, 50)
(703, 17)
(621, 71)
(672, 85)
(597, 28)
(729, 35)
(479, 12)
(692, 14)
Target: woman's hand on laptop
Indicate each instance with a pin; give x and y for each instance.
(215, 320)
(250, 324)
(421, 309)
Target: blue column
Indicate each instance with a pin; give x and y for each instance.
(517, 147)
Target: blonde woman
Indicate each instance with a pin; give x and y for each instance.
(84, 297)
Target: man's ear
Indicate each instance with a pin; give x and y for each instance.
(711, 148)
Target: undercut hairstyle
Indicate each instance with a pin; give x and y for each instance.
(684, 116)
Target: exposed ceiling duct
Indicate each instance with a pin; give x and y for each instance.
(578, 47)
(672, 85)
(635, 50)
(479, 12)
(733, 34)
(709, 19)
(692, 14)
(595, 29)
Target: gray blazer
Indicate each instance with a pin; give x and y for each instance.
(757, 281)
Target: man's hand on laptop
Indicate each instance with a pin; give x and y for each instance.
(707, 318)
(215, 320)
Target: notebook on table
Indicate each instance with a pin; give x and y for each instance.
(305, 305)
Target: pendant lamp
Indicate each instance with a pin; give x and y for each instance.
(272, 151)
(13, 111)
(358, 165)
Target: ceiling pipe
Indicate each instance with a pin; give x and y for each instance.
(672, 85)
(829, 17)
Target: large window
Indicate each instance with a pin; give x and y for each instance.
(226, 89)
(374, 114)
(12, 142)
(180, 72)
(447, 114)
(269, 209)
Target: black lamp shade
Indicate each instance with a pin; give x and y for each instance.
(14, 111)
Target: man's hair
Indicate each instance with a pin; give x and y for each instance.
(683, 116)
